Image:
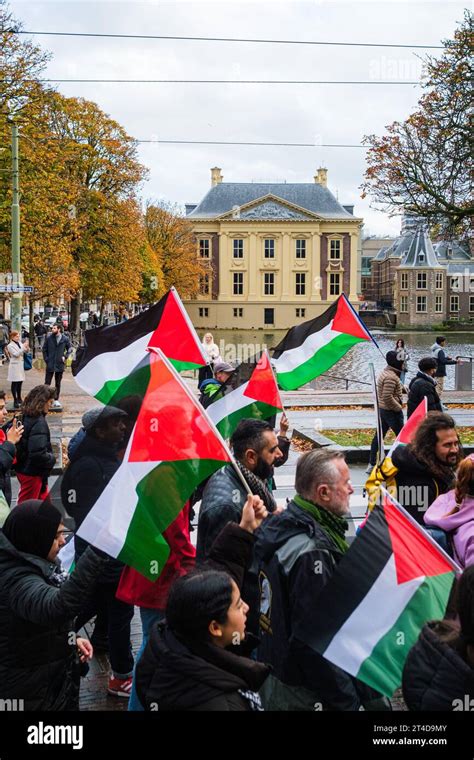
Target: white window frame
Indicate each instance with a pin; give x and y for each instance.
(300, 283)
(424, 277)
(300, 248)
(418, 301)
(339, 249)
(237, 282)
(403, 304)
(207, 248)
(439, 279)
(269, 250)
(269, 283)
(337, 279)
(238, 248)
(404, 281)
(438, 302)
(453, 299)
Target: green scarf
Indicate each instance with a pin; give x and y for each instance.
(333, 524)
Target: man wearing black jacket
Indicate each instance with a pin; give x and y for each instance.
(424, 384)
(56, 350)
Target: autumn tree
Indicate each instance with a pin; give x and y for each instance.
(171, 237)
(422, 165)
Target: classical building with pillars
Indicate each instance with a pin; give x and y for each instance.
(277, 253)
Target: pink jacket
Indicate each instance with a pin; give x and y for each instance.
(444, 514)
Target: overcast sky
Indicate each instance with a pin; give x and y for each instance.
(312, 114)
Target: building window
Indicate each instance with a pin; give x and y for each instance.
(269, 316)
(300, 312)
(421, 303)
(404, 304)
(455, 283)
(421, 281)
(239, 312)
(335, 249)
(334, 284)
(300, 283)
(439, 281)
(238, 283)
(269, 284)
(471, 303)
(203, 312)
(301, 249)
(438, 304)
(269, 248)
(204, 249)
(238, 249)
(204, 285)
(404, 281)
(454, 303)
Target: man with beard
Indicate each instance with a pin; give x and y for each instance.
(255, 447)
(426, 467)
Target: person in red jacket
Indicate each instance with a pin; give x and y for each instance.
(151, 597)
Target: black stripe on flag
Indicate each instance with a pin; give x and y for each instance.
(297, 335)
(113, 338)
(354, 577)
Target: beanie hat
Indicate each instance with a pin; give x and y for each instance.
(32, 526)
(393, 360)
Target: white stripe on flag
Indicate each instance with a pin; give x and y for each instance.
(294, 357)
(231, 402)
(107, 523)
(371, 620)
(112, 365)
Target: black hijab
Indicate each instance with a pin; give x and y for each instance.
(32, 526)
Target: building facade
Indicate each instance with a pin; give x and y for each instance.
(425, 283)
(277, 253)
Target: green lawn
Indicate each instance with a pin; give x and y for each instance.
(349, 437)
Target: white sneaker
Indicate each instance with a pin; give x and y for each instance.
(55, 404)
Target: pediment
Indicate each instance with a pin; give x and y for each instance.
(269, 207)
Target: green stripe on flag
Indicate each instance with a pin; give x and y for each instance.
(383, 668)
(161, 497)
(257, 410)
(319, 363)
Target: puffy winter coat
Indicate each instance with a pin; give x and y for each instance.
(456, 521)
(435, 676)
(34, 451)
(390, 389)
(423, 385)
(38, 661)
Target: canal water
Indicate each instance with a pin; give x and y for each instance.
(238, 345)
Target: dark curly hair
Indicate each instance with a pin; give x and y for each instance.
(425, 440)
(33, 405)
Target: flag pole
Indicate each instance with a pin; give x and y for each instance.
(380, 447)
(204, 413)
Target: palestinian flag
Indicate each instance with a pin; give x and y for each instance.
(392, 580)
(310, 349)
(407, 433)
(118, 353)
(257, 397)
(173, 448)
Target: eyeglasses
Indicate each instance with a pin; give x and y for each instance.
(64, 533)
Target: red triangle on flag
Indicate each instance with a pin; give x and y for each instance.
(262, 386)
(409, 429)
(346, 321)
(415, 555)
(174, 335)
(171, 425)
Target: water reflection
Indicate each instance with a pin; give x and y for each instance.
(236, 346)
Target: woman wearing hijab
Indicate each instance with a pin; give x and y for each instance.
(40, 656)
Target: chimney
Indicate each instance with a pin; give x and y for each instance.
(216, 176)
(321, 178)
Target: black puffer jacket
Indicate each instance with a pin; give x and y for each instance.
(7, 455)
(37, 658)
(423, 385)
(171, 676)
(417, 487)
(435, 676)
(175, 675)
(92, 466)
(34, 451)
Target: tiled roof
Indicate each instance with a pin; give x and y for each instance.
(420, 252)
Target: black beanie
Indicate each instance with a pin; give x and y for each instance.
(393, 360)
(32, 526)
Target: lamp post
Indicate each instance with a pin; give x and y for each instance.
(16, 297)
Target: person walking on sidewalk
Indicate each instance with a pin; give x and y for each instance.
(403, 356)
(437, 349)
(34, 454)
(424, 384)
(389, 391)
(56, 351)
(16, 369)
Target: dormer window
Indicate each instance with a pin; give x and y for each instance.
(421, 258)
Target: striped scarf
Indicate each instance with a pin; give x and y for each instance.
(258, 487)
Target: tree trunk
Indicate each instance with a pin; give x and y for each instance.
(75, 311)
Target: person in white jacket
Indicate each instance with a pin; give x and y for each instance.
(211, 350)
(16, 370)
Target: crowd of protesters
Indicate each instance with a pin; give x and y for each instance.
(220, 625)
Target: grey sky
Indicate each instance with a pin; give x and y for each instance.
(263, 113)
